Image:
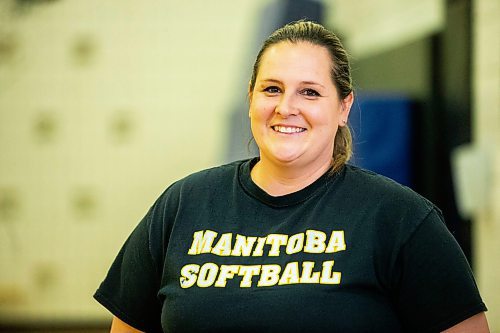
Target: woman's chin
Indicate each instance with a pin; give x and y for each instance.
(287, 158)
(296, 158)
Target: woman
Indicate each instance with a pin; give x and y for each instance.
(294, 240)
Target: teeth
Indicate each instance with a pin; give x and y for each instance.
(285, 129)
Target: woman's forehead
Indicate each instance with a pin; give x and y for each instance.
(309, 61)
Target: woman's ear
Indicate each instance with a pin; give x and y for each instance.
(345, 108)
(250, 92)
(250, 96)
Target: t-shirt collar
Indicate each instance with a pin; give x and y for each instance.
(286, 200)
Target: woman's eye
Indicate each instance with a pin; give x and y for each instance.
(272, 90)
(310, 92)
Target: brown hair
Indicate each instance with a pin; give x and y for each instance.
(314, 33)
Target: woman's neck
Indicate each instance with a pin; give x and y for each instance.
(277, 180)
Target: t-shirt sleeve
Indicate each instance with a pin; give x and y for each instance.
(130, 288)
(436, 288)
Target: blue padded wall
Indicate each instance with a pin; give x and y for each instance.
(382, 135)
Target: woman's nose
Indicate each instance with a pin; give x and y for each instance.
(287, 106)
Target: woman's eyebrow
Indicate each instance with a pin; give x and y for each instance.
(313, 83)
(271, 81)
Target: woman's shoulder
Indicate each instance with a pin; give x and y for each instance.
(214, 174)
(196, 187)
(379, 191)
(207, 179)
(393, 211)
(377, 184)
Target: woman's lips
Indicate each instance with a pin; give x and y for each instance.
(288, 129)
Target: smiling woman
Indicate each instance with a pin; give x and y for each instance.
(295, 239)
(295, 111)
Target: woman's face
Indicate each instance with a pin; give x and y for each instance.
(295, 110)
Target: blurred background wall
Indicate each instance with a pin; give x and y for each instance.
(105, 103)
(102, 104)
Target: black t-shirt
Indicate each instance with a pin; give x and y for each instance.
(352, 252)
